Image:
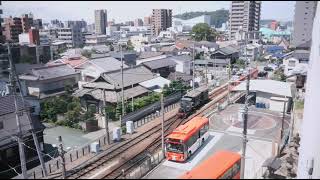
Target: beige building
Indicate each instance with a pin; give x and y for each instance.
(100, 19)
(147, 21)
(161, 20)
(245, 15)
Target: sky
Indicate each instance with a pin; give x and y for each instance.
(129, 10)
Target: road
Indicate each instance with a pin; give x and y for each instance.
(226, 134)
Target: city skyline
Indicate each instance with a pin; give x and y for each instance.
(50, 10)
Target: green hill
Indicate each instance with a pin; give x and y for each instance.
(217, 17)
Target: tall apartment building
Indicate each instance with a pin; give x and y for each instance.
(72, 36)
(161, 20)
(12, 28)
(80, 24)
(2, 39)
(37, 23)
(138, 22)
(26, 22)
(244, 14)
(303, 22)
(100, 17)
(147, 21)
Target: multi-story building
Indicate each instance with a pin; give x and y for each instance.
(129, 23)
(72, 36)
(138, 22)
(244, 15)
(95, 39)
(37, 23)
(80, 24)
(303, 21)
(274, 25)
(26, 22)
(56, 23)
(12, 28)
(147, 21)
(1, 28)
(100, 21)
(161, 20)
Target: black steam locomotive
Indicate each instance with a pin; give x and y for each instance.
(193, 100)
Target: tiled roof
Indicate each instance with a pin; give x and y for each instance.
(106, 64)
(131, 76)
(49, 72)
(7, 104)
(227, 50)
(25, 68)
(111, 95)
(159, 63)
(144, 55)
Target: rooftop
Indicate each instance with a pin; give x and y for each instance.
(7, 104)
(131, 76)
(105, 64)
(155, 84)
(268, 86)
(112, 96)
(49, 72)
(159, 63)
(149, 54)
(23, 68)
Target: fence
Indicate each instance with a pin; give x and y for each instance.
(150, 109)
(154, 115)
(145, 167)
(54, 165)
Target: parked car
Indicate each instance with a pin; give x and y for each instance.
(263, 74)
(268, 68)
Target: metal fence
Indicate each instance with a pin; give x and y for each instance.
(146, 166)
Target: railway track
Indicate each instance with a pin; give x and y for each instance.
(116, 151)
(127, 166)
(218, 95)
(154, 146)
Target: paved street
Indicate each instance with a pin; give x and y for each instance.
(226, 134)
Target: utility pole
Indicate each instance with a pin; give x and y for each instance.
(193, 72)
(229, 79)
(122, 97)
(282, 124)
(51, 51)
(106, 118)
(34, 136)
(245, 122)
(132, 105)
(13, 89)
(37, 53)
(162, 124)
(63, 161)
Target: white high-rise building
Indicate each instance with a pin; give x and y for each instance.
(303, 20)
(100, 17)
(244, 15)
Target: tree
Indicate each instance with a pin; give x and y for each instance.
(86, 53)
(26, 59)
(203, 32)
(130, 46)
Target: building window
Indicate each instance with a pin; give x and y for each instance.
(1, 125)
